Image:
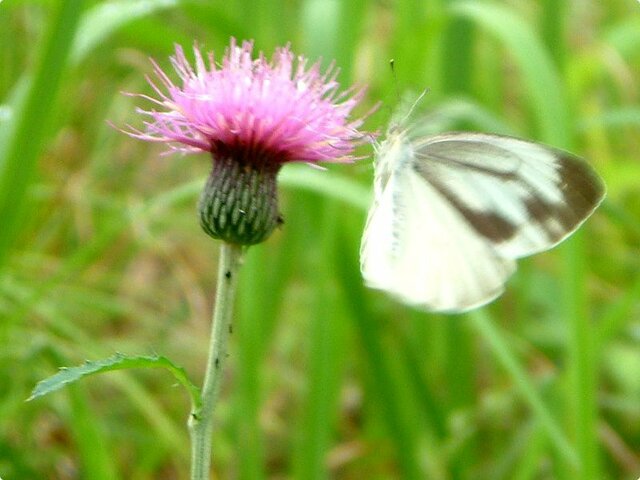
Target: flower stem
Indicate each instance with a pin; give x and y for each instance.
(201, 419)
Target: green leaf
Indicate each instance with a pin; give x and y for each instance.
(119, 361)
(102, 20)
(524, 384)
(541, 81)
(326, 182)
(29, 124)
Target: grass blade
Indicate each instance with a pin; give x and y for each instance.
(399, 417)
(105, 18)
(523, 383)
(32, 121)
(543, 85)
(326, 352)
(582, 357)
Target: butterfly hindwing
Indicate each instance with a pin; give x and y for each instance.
(419, 248)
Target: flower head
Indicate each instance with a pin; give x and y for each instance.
(252, 116)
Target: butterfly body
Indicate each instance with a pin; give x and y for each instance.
(452, 213)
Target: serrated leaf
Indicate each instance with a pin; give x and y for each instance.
(119, 361)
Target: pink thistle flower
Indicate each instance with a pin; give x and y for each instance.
(252, 116)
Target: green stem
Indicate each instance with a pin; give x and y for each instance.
(201, 420)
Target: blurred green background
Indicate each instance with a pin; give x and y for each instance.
(100, 251)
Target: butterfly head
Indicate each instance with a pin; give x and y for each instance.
(392, 154)
(396, 149)
(398, 130)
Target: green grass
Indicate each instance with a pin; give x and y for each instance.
(100, 252)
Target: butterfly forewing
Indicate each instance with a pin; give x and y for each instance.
(522, 197)
(453, 211)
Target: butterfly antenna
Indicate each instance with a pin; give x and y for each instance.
(415, 103)
(392, 66)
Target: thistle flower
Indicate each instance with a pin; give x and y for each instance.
(252, 116)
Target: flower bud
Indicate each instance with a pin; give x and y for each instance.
(239, 203)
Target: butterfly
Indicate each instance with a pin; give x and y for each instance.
(452, 212)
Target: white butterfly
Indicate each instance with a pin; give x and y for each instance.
(452, 212)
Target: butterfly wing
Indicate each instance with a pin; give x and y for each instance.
(457, 210)
(520, 196)
(419, 248)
